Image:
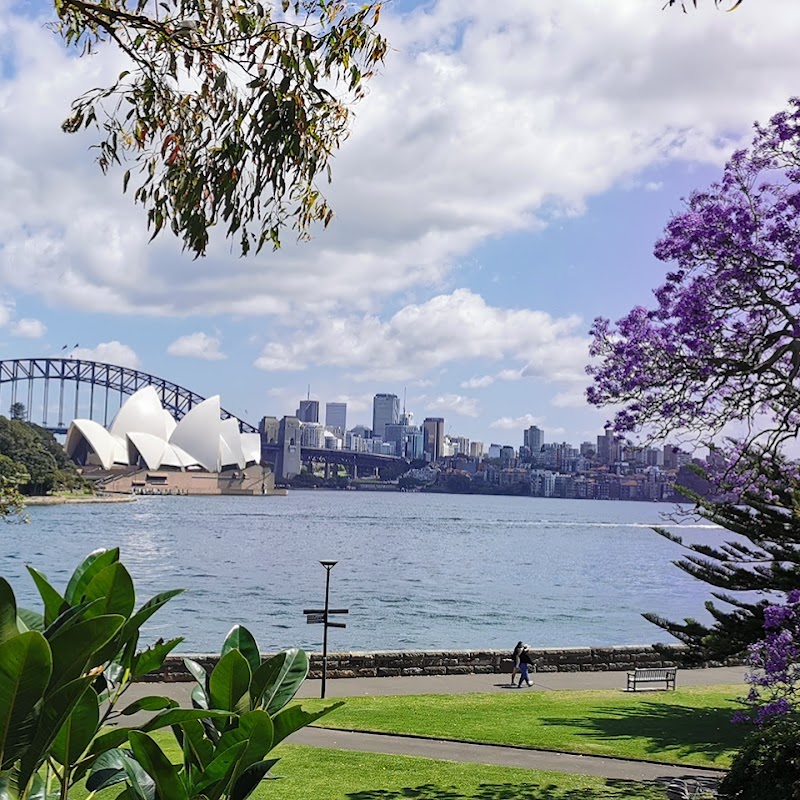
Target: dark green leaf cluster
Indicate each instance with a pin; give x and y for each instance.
(64, 671)
(766, 767)
(32, 460)
(227, 113)
(242, 713)
(763, 557)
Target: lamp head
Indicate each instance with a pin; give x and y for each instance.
(329, 564)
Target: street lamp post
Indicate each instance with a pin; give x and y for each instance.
(329, 565)
(319, 616)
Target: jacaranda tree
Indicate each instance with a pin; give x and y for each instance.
(722, 341)
(722, 344)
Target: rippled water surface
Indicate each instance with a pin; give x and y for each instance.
(416, 570)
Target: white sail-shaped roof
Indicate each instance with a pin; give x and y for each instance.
(169, 423)
(109, 449)
(150, 448)
(144, 430)
(230, 440)
(141, 413)
(198, 434)
(251, 447)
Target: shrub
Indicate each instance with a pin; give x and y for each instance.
(768, 765)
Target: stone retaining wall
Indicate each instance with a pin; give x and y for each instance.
(462, 662)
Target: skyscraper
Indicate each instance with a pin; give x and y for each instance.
(308, 411)
(433, 427)
(336, 417)
(533, 439)
(385, 411)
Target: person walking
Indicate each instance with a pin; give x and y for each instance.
(515, 661)
(525, 660)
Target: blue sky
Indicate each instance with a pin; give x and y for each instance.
(504, 183)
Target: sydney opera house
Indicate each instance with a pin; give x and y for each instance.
(146, 450)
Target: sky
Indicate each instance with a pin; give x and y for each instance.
(505, 180)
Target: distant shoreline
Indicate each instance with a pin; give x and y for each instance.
(48, 500)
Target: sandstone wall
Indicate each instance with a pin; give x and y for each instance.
(460, 662)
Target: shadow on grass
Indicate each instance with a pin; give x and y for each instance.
(612, 790)
(680, 730)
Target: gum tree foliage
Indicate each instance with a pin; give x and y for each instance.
(722, 342)
(684, 4)
(227, 112)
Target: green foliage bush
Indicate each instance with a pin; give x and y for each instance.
(767, 767)
(32, 459)
(64, 670)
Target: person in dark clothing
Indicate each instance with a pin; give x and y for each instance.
(525, 660)
(515, 660)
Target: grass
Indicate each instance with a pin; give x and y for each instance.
(337, 775)
(688, 726)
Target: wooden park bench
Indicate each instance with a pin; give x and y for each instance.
(664, 675)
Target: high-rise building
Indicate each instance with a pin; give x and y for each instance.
(385, 411)
(533, 438)
(336, 417)
(433, 428)
(476, 449)
(308, 411)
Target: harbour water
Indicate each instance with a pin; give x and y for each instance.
(417, 571)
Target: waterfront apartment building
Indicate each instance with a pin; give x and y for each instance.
(336, 417)
(533, 438)
(308, 411)
(433, 428)
(385, 411)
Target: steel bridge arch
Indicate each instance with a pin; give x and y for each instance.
(97, 374)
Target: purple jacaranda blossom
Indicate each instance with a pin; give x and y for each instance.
(774, 664)
(722, 340)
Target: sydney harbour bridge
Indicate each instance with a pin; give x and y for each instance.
(54, 391)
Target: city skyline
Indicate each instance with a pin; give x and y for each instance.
(490, 202)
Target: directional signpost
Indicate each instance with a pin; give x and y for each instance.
(319, 616)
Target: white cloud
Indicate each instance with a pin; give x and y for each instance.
(28, 328)
(653, 186)
(487, 118)
(574, 398)
(478, 383)
(109, 353)
(423, 337)
(511, 423)
(453, 404)
(197, 345)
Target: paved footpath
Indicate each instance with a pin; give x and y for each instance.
(478, 753)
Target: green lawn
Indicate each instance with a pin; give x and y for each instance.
(338, 775)
(689, 726)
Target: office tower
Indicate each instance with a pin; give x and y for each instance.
(336, 417)
(476, 449)
(385, 411)
(433, 428)
(533, 438)
(308, 411)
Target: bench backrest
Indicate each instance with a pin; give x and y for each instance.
(655, 673)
